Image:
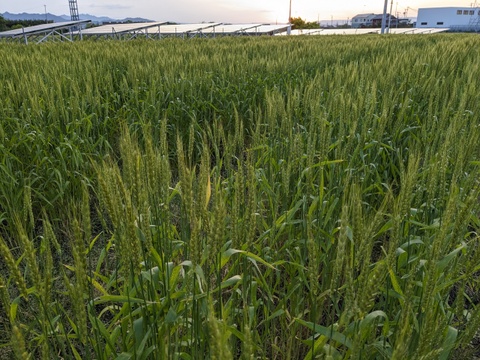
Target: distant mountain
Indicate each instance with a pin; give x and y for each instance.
(26, 16)
(105, 19)
(135, 19)
(61, 18)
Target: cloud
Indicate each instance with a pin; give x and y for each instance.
(110, 6)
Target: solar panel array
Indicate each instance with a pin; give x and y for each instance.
(366, 31)
(161, 29)
(165, 29)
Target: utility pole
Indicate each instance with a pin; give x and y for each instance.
(46, 19)
(396, 12)
(289, 30)
(290, 12)
(390, 17)
(384, 17)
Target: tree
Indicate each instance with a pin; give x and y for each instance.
(3, 24)
(299, 23)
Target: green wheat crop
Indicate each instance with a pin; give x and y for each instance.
(264, 198)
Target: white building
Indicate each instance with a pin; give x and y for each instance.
(362, 20)
(459, 18)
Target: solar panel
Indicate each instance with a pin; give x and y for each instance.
(303, 32)
(430, 30)
(42, 28)
(230, 28)
(364, 31)
(349, 31)
(177, 29)
(401, 31)
(267, 29)
(121, 28)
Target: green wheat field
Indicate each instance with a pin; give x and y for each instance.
(241, 198)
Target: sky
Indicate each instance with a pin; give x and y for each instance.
(235, 11)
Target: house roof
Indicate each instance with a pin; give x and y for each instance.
(363, 15)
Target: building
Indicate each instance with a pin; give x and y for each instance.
(362, 20)
(455, 18)
(377, 20)
(372, 20)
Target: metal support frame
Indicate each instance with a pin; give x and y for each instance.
(135, 34)
(24, 36)
(243, 31)
(198, 32)
(55, 32)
